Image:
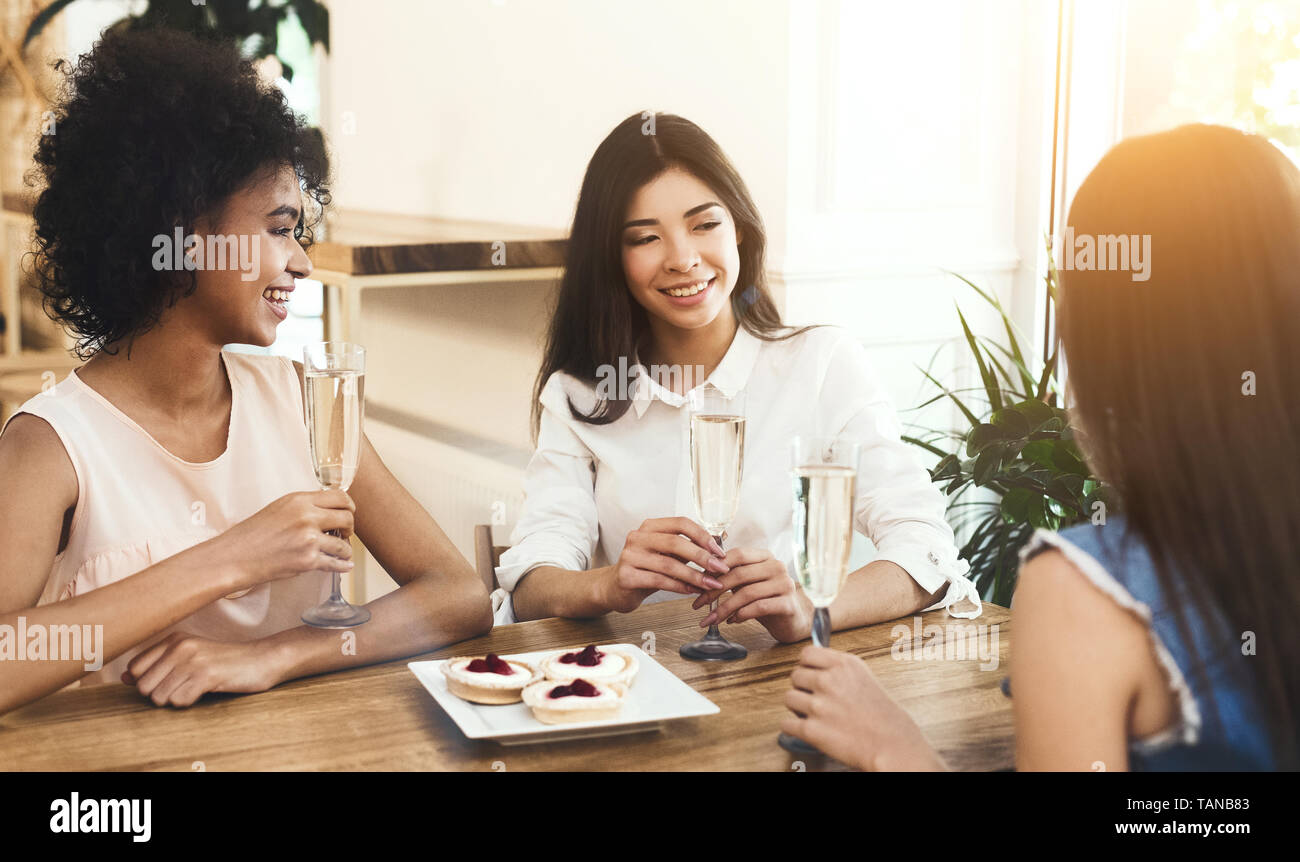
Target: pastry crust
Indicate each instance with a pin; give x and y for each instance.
(464, 684)
(553, 668)
(566, 710)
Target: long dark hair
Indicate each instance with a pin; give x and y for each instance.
(1187, 383)
(596, 320)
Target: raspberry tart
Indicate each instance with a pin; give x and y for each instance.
(592, 663)
(488, 679)
(561, 702)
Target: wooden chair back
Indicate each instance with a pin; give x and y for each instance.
(487, 556)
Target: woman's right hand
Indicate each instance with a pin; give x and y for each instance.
(288, 537)
(654, 558)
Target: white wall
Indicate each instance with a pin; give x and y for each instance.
(881, 140)
(472, 109)
(489, 111)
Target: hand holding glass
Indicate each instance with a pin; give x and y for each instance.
(334, 380)
(824, 473)
(717, 462)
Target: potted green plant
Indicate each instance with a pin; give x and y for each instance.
(1014, 466)
(255, 23)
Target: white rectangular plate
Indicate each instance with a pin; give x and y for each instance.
(655, 695)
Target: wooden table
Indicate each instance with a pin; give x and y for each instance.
(380, 718)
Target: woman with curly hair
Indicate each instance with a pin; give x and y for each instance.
(164, 490)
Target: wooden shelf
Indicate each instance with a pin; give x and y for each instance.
(368, 243)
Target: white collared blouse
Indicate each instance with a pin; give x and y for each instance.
(587, 486)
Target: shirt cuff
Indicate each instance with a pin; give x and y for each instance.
(932, 568)
(537, 550)
(503, 609)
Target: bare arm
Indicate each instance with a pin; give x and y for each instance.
(441, 599)
(881, 590)
(1079, 666)
(551, 592)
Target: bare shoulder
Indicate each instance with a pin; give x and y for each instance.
(40, 494)
(1054, 590)
(34, 461)
(269, 365)
(1069, 630)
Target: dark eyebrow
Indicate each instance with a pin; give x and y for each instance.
(699, 209)
(642, 222)
(284, 210)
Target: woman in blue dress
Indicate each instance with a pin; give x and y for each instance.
(1159, 637)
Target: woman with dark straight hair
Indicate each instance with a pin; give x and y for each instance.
(1160, 637)
(665, 292)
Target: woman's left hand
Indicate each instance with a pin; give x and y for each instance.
(839, 707)
(760, 589)
(180, 669)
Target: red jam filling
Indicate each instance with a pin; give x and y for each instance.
(589, 657)
(491, 664)
(579, 688)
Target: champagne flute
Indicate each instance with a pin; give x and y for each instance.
(824, 475)
(334, 382)
(717, 460)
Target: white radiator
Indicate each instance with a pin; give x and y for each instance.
(462, 481)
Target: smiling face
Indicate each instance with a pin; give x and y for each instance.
(244, 299)
(680, 252)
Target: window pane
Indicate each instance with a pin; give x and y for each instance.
(1232, 62)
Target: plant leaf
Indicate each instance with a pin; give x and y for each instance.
(1049, 370)
(960, 406)
(43, 18)
(991, 388)
(934, 450)
(1012, 422)
(1016, 504)
(986, 463)
(1026, 379)
(981, 436)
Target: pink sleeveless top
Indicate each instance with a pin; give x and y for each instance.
(138, 504)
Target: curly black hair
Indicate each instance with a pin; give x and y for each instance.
(154, 128)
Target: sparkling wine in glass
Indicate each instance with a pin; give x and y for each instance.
(334, 383)
(717, 460)
(824, 474)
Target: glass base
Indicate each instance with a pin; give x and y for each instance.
(713, 649)
(335, 615)
(795, 745)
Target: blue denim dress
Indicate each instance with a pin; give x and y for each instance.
(1227, 732)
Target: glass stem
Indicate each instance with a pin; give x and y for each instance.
(336, 594)
(714, 634)
(821, 627)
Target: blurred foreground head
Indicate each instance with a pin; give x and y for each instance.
(1186, 376)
